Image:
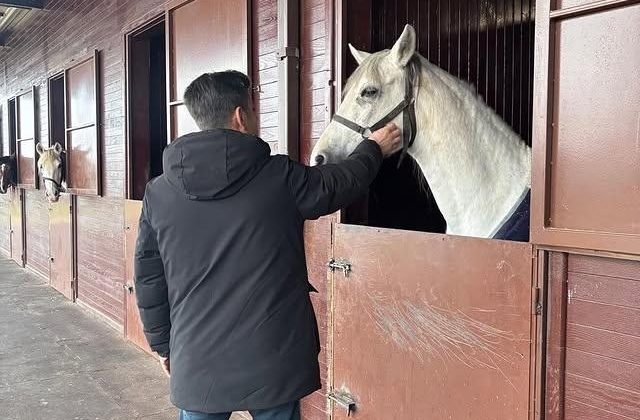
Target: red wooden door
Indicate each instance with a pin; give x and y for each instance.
(431, 326)
(586, 152)
(5, 225)
(17, 226)
(203, 36)
(132, 325)
(61, 246)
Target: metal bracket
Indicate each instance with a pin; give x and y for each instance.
(287, 52)
(344, 400)
(345, 266)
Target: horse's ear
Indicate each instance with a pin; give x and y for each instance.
(360, 56)
(405, 47)
(58, 148)
(39, 148)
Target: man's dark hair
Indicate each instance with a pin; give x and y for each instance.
(212, 98)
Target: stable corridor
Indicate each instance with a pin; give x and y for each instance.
(58, 361)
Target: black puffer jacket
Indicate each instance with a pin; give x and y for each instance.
(221, 278)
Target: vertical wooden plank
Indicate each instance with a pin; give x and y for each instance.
(556, 336)
(61, 246)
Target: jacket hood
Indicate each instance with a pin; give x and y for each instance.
(213, 164)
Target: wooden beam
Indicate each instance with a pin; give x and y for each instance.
(23, 4)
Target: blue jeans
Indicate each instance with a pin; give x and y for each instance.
(289, 411)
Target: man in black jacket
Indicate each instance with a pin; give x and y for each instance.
(220, 271)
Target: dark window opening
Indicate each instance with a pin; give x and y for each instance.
(147, 106)
(56, 111)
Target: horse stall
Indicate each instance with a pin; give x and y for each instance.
(414, 323)
(479, 328)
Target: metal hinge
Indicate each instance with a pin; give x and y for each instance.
(345, 266)
(538, 297)
(287, 52)
(344, 400)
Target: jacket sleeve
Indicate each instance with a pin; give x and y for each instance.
(322, 190)
(151, 287)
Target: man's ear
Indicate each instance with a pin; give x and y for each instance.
(239, 120)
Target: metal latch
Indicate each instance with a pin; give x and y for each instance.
(128, 287)
(538, 301)
(345, 266)
(344, 400)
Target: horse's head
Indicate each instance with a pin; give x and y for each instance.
(51, 170)
(371, 93)
(7, 173)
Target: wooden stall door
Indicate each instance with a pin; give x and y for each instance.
(84, 175)
(17, 226)
(132, 324)
(593, 338)
(430, 326)
(203, 36)
(5, 225)
(61, 246)
(586, 151)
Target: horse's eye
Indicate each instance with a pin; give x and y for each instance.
(369, 92)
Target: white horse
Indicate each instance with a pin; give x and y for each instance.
(478, 169)
(52, 170)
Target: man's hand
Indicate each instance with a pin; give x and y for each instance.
(166, 365)
(388, 138)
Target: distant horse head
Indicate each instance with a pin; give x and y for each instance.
(51, 169)
(7, 173)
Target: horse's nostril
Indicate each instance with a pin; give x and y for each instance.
(320, 159)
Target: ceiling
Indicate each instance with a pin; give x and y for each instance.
(12, 20)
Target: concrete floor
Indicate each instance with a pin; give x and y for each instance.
(59, 361)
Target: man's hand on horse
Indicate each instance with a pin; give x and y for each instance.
(388, 138)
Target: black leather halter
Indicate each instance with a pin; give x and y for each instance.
(406, 107)
(57, 184)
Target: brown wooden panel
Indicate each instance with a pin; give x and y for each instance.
(582, 411)
(100, 260)
(133, 329)
(582, 196)
(605, 370)
(17, 226)
(603, 343)
(572, 205)
(206, 36)
(82, 132)
(61, 246)
(609, 290)
(82, 156)
(614, 400)
(81, 99)
(37, 232)
(432, 326)
(26, 117)
(25, 139)
(608, 267)
(27, 162)
(556, 288)
(608, 317)
(5, 225)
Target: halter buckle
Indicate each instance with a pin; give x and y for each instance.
(366, 132)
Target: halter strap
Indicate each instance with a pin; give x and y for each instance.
(406, 107)
(57, 184)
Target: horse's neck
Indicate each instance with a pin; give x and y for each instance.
(476, 166)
